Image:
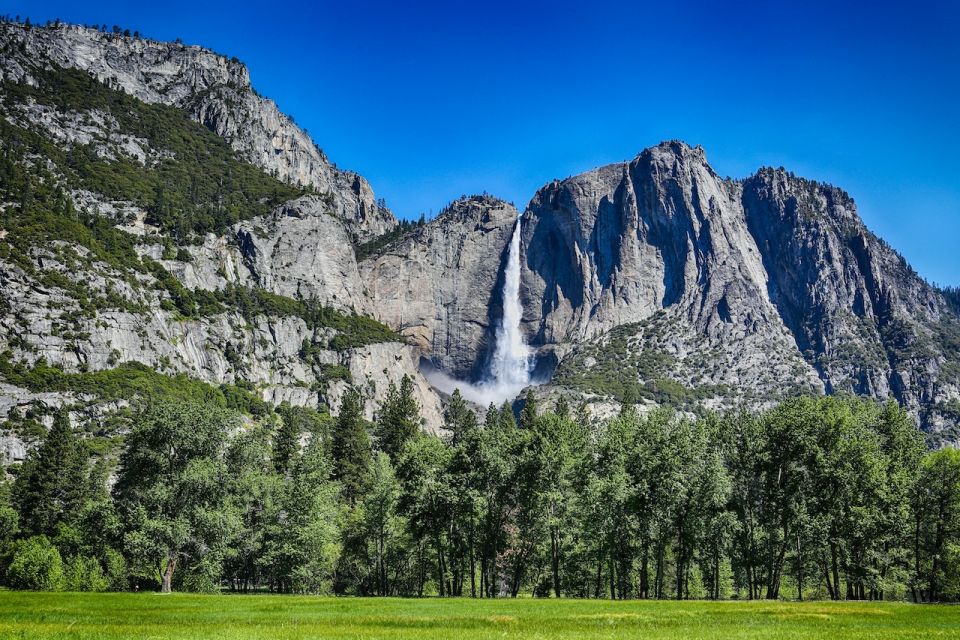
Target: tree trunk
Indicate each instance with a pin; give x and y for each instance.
(716, 575)
(658, 580)
(836, 570)
(826, 578)
(473, 568)
(168, 572)
(441, 578)
(613, 571)
(599, 580)
(799, 570)
(681, 552)
(645, 572)
(555, 559)
(916, 558)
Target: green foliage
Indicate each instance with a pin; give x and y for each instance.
(36, 566)
(459, 419)
(295, 422)
(399, 418)
(351, 447)
(936, 502)
(816, 498)
(195, 185)
(627, 364)
(51, 486)
(83, 573)
(375, 246)
(170, 488)
(335, 372)
(952, 296)
(352, 330)
(132, 380)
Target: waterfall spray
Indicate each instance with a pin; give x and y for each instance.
(509, 370)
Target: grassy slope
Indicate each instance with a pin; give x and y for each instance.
(108, 616)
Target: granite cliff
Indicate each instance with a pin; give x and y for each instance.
(658, 279)
(167, 228)
(164, 224)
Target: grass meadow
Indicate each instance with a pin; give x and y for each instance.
(181, 617)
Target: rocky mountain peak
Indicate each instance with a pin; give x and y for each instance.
(476, 206)
(214, 90)
(669, 151)
(714, 284)
(153, 71)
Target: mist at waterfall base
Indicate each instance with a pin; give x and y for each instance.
(512, 360)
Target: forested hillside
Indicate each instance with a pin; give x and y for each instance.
(143, 256)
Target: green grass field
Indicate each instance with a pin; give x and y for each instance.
(126, 616)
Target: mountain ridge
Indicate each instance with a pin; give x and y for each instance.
(664, 232)
(653, 280)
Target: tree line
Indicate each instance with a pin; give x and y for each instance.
(831, 497)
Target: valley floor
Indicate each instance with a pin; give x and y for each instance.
(180, 616)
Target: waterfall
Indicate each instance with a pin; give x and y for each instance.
(509, 369)
(510, 365)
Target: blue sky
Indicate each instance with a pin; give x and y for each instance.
(433, 100)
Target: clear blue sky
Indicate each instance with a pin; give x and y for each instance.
(433, 100)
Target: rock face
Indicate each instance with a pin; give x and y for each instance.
(729, 288)
(303, 249)
(438, 285)
(652, 280)
(864, 319)
(215, 90)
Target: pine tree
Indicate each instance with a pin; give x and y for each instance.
(51, 487)
(458, 418)
(528, 416)
(399, 419)
(351, 447)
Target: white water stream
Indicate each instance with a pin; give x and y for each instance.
(512, 358)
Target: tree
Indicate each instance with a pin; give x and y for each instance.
(936, 505)
(466, 471)
(351, 447)
(36, 566)
(255, 496)
(380, 522)
(307, 535)
(528, 415)
(426, 499)
(51, 486)
(557, 456)
(399, 419)
(9, 522)
(171, 487)
(459, 419)
(294, 423)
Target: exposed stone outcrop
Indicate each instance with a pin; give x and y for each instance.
(301, 251)
(741, 290)
(653, 277)
(438, 284)
(304, 249)
(214, 89)
(863, 317)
